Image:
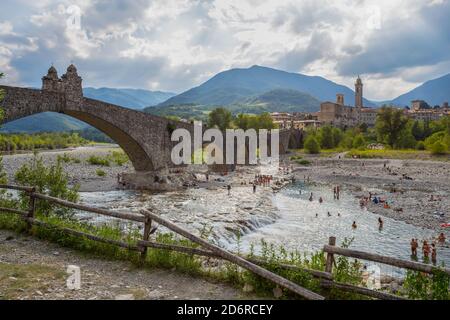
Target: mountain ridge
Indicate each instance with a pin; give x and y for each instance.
(228, 87)
(434, 92)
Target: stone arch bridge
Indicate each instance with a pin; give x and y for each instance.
(145, 138)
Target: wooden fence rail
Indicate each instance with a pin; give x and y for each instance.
(332, 250)
(146, 218)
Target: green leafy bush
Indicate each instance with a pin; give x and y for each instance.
(100, 173)
(98, 161)
(439, 148)
(312, 145)
(50, 180)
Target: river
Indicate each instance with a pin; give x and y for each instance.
(296, 228)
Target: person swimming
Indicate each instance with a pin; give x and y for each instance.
(320, 200)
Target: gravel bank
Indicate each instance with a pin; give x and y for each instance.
(82, 174)
(411, 200)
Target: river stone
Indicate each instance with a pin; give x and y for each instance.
(277, 293)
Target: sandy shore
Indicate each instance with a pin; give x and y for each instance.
(411, 200)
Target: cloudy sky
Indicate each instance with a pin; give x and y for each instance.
(173, 45)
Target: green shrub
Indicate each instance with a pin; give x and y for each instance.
(98, 161)
(312, 145)
(420, 145)
(119, 158)
(100, 173)
(304, 162)
(439, 148)
(50, 180)
(64, 158)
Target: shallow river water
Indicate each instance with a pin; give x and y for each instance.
(297, 227)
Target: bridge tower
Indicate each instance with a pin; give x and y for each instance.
(51, 82)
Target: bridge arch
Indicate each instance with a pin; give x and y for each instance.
(143, 137)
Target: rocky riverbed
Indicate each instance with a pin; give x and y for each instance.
(407, 186)
(80, 172)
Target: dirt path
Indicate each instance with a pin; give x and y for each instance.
(31, 269)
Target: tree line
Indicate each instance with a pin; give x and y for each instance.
(392, 129)
(223, 119)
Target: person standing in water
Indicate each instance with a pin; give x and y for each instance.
(254, 188)
(229, 189)
(311, 198)
(433, 253)
(414, 245)
(354, 226)
(426, 250)
(320, 200)
(380, 223)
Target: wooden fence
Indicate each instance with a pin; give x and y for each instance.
(207, 249)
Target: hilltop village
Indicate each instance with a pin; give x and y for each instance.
(343, 116)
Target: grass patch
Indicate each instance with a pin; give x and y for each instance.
(98, 161)
(100, 173)
(303, 162)
(18, 280)
(119, 158)
(395, 154)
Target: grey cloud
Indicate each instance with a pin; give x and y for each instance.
(402, 44)
(318, 48)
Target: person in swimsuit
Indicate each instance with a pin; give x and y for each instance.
(426, 250)
(441, 238)
(433, 253)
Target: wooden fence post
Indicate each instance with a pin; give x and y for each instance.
(146, 237)
(31, 209)
(330, 256)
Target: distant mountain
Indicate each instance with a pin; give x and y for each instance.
(230, 87)
(44, 122)
(129, 98)
(435, 92)
(271, 101)
(283, 100)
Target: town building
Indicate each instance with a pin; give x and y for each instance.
(296, 120)
(421, 111)
(339, 115)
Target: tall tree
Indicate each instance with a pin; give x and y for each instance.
(326, 137)
(390, 124)
(220, 118)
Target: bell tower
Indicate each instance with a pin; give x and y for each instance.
(358, 93)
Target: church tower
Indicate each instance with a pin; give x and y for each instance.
(358, 93)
